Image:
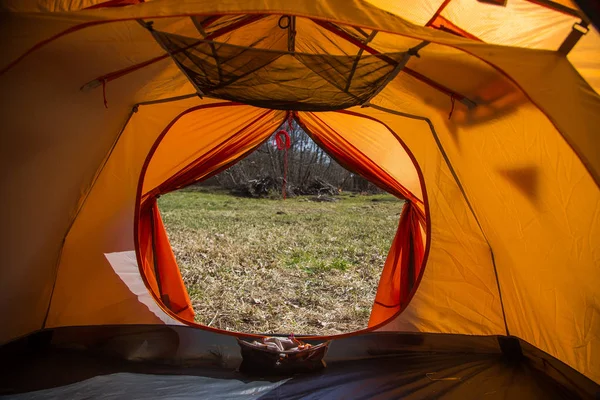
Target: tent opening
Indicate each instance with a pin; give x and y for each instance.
(252, 261)
(190, 151)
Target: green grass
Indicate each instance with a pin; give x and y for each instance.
(274, 266)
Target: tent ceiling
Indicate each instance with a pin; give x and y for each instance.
(279, 79)
(250, 58)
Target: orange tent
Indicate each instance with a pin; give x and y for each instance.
(482, 116)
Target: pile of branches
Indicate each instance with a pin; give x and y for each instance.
(270, 187)
(257, 188)
(317, 187)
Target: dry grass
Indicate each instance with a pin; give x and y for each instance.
(273, 266)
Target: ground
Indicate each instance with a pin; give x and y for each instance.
(274, 266)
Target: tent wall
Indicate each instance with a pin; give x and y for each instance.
(509, 60)
(49, 5)
(370, 141)
(174, 154)
(94, 294)
(55, 137)
(538, 207)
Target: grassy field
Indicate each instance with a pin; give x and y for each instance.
(273, 266)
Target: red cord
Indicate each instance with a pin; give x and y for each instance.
(285, 170)
(283, 142)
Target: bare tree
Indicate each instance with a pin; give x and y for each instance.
(307, 164)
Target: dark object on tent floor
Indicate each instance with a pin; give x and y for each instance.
(391, 366)
(265, 362)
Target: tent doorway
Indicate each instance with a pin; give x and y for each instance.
(309, 264)
(167, 170)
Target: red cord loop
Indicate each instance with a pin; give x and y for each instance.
(282, 140)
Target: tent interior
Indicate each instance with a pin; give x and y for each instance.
(481, 116)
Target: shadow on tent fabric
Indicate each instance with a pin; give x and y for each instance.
(526, 179)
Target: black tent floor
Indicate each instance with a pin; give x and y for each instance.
(181, 362)
(71, 374)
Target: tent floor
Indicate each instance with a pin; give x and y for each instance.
(73, 374)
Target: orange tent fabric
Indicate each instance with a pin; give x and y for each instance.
(403, 267)
(160, 267)
(500, 119)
